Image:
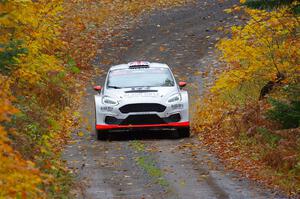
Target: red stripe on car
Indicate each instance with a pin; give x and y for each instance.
(173, 124)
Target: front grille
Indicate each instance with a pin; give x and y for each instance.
(143, 119)
(143, 107)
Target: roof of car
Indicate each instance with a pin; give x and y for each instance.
(151, 65)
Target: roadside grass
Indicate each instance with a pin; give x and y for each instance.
(281, 167)
(147, 163)
(138, 146)
(261, 153)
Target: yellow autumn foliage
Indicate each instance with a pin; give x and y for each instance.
(255, 53)
(36, 25)
(259, 56)
(18, 177)
(46, 41)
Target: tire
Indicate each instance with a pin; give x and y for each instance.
(101, 134)
(184, 132)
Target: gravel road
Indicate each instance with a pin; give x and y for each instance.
(152, 164)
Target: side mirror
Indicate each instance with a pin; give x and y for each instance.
(97, 88)
(182, 84)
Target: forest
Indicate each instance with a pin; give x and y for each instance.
(47, 47)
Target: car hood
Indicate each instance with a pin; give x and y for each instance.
(141, 93)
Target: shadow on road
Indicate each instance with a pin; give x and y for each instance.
(141, 135)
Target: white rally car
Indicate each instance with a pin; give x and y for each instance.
(141, 95)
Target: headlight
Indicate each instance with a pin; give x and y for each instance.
(109, 101)
(174, 98)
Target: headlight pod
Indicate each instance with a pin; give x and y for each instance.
(174, 98)
(109, 101)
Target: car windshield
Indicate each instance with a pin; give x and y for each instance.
(142, 77)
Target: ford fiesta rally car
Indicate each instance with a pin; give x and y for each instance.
(141, 95)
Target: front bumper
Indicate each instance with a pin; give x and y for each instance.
(130, 114)
(143, 126)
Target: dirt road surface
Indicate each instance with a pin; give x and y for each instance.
(152, 164)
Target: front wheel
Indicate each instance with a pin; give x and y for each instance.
(184, 132)
(101, 134)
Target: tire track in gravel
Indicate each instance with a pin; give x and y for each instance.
(136, 165)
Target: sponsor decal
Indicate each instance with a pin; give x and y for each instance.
(146, 94)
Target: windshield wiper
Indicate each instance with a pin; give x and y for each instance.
(115, 87)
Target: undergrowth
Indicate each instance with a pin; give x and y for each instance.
(250, 116)
(46, 51)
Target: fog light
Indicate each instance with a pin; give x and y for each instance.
(174, 118)
(176, 106)
(111, 120)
